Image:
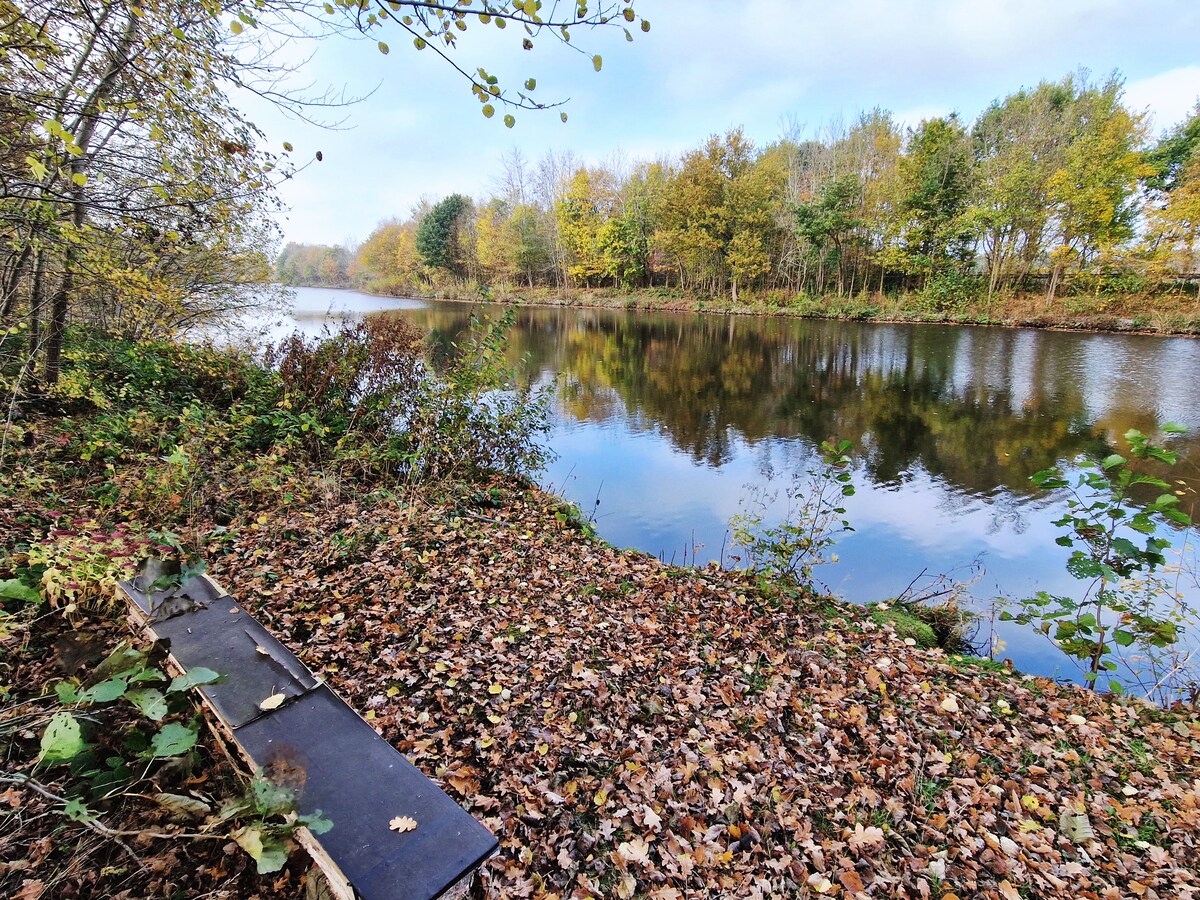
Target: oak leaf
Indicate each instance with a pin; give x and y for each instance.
(401, 824)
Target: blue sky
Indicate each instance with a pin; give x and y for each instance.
(774, 66)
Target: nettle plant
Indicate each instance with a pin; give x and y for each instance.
(1128, 611)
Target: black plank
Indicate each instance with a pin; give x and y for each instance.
(225, 638)
(197, 591)
(360, 783)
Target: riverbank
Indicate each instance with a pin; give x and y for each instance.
(626, 727)
(630, 728)
(633, 729)
(1171, 314)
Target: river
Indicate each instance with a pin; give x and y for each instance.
(666, 419)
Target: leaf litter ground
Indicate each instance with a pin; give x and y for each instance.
(633, 729)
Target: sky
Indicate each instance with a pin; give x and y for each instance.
(771, 67)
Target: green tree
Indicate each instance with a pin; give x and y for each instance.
(827, 224)
(440, 239)
(1171, 156)
(935, 172)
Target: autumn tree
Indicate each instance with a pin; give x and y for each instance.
(123, 156)
(145, 186)
(510, 242)
(1172, 235)
(1094, 194)
(1019, 143)
(582, 212)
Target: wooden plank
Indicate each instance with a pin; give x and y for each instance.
(336, 762)
(360, 782)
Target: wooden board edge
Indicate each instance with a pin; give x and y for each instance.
(338, 886)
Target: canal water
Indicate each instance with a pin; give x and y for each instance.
(670, 421)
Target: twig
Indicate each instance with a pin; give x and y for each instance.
(99, 827)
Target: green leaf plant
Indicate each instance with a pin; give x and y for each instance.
(115, 737)
(812, 521)
(1115, 521)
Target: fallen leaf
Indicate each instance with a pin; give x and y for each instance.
(1075, 826)
(820, 884)
(651, 819)
(401, 824)
(635, 851)
(850, 881)
(272, 702)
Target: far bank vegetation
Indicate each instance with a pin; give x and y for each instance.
(1056, 203)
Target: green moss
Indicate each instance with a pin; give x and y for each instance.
(962, 661)
(906, 625)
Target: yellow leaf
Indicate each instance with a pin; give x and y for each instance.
(600, 797)
(392, 691)
(401, 824)
(272, 702)
(1029, 825)
(820, 884)
(495, 689)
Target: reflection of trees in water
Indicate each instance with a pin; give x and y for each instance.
(981, 409)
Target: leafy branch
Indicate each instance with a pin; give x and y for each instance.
(1117, 549)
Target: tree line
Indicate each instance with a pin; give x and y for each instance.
(1052, 189)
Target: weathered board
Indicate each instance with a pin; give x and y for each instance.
(320, 747)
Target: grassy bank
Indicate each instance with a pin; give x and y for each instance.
(627, 728)
(1172, 313)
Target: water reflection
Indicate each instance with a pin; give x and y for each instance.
(666, 417)
(982, 409)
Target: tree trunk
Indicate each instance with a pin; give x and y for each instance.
(12, 283)
(1053, 289)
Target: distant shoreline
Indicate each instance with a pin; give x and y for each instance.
(1164, 316)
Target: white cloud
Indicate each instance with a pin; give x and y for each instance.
(705, 68)
(1170, 97)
